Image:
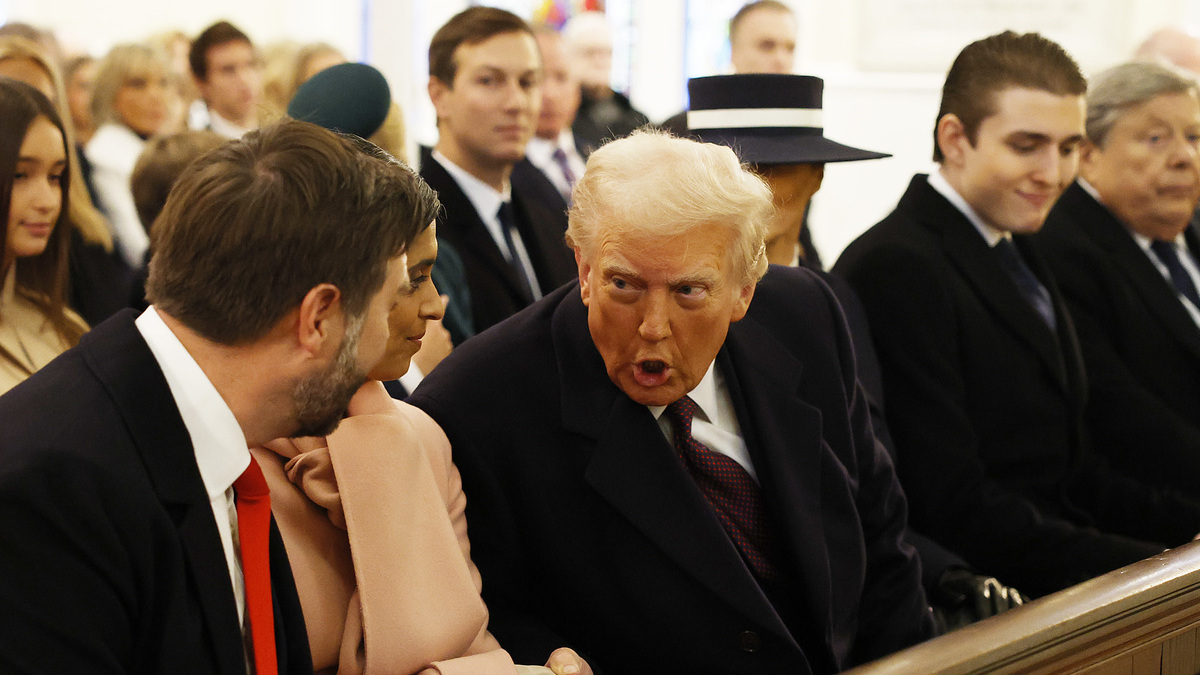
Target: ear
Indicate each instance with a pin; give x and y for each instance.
(437, 94)
(585, 272)
(743, 302)
(952, 139)
(321, 320)
(1089, 155)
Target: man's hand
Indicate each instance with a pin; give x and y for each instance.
(963, 597)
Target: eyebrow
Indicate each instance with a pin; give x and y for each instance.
(704, 276)
(427, 262)
(1040, 137)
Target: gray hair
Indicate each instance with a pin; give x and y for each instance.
(1113, 92)
(656, 185)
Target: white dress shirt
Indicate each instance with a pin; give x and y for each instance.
(223, 127)
(540, 152)
(716, 425)
(990, 234)
(1181, 250)
(487, 200)
(222, 453)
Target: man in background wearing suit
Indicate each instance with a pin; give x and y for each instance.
(553, 148)
(1124, 250)
(228, 74)
(503, 216)
(981, 368)
(672, 478)
(135, 532)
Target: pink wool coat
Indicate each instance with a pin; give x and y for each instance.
(372, 517)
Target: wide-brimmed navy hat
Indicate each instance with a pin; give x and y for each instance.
(353, 98)
(767, 119)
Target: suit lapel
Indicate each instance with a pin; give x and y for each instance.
(634, 469)
(783, 434)
(1159, 296)
(977, 264)
(466, 231)
(122, 361)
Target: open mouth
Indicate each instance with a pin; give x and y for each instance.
(651, 372)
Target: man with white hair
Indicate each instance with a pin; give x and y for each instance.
(604, 114)
(663, 474)
(1124, 248)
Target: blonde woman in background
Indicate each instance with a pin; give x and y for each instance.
(99, 279)
(130, 103)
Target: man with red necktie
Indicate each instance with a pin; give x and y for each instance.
(135, 526)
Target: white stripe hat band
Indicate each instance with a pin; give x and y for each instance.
(755, 118)
(767, 119)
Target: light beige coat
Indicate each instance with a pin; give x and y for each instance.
(374, 525)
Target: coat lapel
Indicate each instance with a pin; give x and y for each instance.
(1098, 223)
(634, 468)
(977, 263)
(466, 231)
(783, 434)
(121, 359)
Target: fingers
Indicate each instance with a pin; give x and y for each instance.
(564, 661)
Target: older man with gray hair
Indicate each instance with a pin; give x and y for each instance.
(663, 474)
(1124, 247)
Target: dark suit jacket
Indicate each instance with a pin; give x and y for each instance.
(986, 405)
(935, 558)
(111, 558)
(1141, 346)
(541, 218)
(589, 532)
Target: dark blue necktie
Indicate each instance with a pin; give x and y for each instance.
(507, 224)
(1179, 277)
(1032, 289)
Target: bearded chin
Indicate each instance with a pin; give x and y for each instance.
(320, 399)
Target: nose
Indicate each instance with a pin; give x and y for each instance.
(1055, 168)
(433, 307)
(656, 320)
(1186, 154)
(48, 196)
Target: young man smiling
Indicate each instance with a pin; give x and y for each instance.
(981, 366)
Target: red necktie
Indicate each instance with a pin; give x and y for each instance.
(254, 529)
(731, 491)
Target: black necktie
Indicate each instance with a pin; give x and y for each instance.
(1031, 289)
(731, 491)
(1179, 277)
(507, 224)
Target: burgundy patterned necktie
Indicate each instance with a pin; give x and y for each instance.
(731, 491)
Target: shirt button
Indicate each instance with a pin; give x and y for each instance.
(749, 641)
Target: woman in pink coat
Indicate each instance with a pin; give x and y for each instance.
(372, 517)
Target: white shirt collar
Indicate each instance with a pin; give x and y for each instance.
(224, 127)
(705, 396)
(990, 234)
(222, 453)
(485, 198)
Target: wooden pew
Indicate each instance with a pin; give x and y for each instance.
(1143, 619)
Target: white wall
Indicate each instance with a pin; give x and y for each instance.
(883, 60)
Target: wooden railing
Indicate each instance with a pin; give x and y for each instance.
(1143, 619)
